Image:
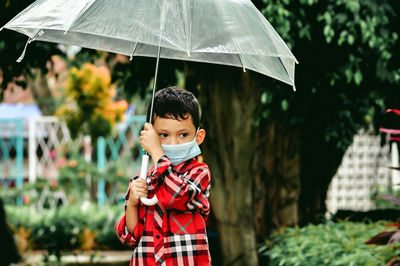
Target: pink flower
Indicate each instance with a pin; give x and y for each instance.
(52, 154)
(53, 183)
(61, 162)
(26, 200)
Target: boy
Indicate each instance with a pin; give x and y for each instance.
(172, 232)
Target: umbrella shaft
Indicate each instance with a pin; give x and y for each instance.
(154, 85)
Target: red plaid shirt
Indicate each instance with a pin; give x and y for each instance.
(173, 231)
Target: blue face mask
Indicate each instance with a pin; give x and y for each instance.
(179, 153)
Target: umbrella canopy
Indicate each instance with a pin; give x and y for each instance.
(228, 32)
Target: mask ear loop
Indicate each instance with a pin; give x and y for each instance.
(195, 135)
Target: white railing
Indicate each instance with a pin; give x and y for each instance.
(46, 134)
(363, 170)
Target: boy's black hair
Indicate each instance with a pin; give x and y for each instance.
(177, 103)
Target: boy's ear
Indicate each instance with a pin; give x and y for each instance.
(200, 136)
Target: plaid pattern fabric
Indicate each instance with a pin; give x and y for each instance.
(172, 232)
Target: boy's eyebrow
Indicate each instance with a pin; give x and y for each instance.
(178, 130)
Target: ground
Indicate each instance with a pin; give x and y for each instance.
(111, 258)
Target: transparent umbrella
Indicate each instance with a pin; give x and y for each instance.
(228, 32)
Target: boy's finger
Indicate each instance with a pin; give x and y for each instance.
(147, 126)
(143, 194)
(141, 189)
(141, 182)
(140, 192)
(141, 186)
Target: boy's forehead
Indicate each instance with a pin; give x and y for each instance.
(170, 120)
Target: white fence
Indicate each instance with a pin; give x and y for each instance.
(364, 169)
(46, 135)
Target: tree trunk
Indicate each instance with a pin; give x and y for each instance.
(229, 110)
(277, 186)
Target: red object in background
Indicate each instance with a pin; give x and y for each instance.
(396, 111)
(390, 131)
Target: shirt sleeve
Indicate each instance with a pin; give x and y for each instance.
(182, 191)
(123, 233)
(128, 238)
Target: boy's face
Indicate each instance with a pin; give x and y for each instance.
(172, 131)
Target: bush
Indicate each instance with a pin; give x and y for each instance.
(327, 244)
(83, 227)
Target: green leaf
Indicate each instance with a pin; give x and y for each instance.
(350, 39)
(358, 77)
(349, 75)
(353, 5)
(285, 105)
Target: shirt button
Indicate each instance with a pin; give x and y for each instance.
(158, 236)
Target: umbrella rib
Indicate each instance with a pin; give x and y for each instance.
(234, 42)
(287, 73)
(187, 25)
(21, 57)
(133, 52)
(87, 6)
(239, 53)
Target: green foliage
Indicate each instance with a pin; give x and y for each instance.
(327, 244)
(65, 228)
(77, 179)
(89, 108)
(348, 63)
(75, 171)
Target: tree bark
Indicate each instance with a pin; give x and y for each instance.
(229, 110)
(277, 185)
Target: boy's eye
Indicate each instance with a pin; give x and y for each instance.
(163, 135)
(183, 135)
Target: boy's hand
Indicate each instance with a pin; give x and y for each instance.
(138, 188)
(150, 142)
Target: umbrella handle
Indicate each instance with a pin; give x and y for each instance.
(143, 171)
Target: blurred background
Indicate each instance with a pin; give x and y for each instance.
(298, 178)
